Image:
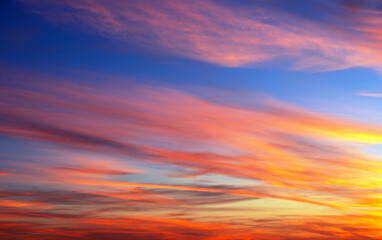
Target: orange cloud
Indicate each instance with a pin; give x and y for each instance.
(280, 151)
(11, 203)
(281, 145)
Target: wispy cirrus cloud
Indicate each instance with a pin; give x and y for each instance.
(378, 95)
(230, 35)
(280, 151)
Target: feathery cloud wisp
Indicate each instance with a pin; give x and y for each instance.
(230, 35)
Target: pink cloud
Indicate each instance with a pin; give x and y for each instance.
(286, 147)
(228, 36)
(282, 153)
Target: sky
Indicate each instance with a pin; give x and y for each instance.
(205, 119)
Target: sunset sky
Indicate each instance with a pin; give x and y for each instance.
(180, 119)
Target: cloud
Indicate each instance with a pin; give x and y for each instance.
(231, 35)
(102, 171)
(279, 144)
(378, 95)
(274, 152)
(143, 227)
(55, 134)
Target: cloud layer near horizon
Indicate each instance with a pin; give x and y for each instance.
(230, 34)
(100, 139)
